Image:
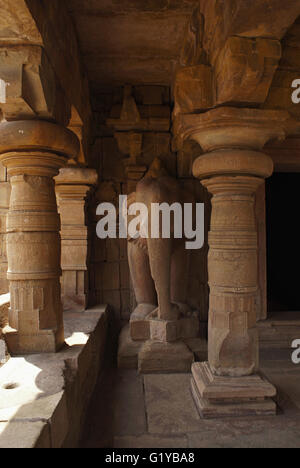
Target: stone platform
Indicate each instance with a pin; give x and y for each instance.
(44, 397)
(158, 411)
(279, 330)
(221, 397)
(153, 356)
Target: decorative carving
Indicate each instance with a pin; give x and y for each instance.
(72, 187)
(245, 69)
(193, 89)
(33, 152)
(232, 171)
(31, 87)
(192, 52)
(131, 119)
(159, 267)
(229, 127)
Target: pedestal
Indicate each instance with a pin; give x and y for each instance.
(222, 397)
(160, 346)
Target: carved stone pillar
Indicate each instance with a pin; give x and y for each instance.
(33, 152)
(232, 170)
(72, 187)
(4, 205)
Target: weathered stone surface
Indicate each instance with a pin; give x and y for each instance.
(17, 435)
(139, 324)
(161, 357)
(221, 397)
(33, 152)
(150, 441)
(199, 348)
(129, 408)
(61, 46)
(51, 392)
(235, 128)
(157, 265)
(169, 409)
(163, 331)
(233, 177)
(193, 90)
(236, 18)
(5, 190)
(131, 119)
(72, 187)
(31, 86)
(130, 53)
(278, 332)
(245, 69)
(16, 24)
(128, 350)
(4, 305)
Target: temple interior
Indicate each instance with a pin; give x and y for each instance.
(109, 341)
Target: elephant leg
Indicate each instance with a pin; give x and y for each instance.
(180, 275)
(143, 284)
(160, 251)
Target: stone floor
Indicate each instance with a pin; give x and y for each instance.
(157, 411)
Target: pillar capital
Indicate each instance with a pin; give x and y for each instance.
(233, 162)
(36, 147)
(75, 182)
(229, 128)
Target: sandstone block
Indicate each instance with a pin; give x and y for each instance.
(157, 357)
(245, 69)
(193, 89)
(128, 350)
(219, 397)
(32, 89)
(163, 330)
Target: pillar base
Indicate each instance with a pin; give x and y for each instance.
(222, 397)
(46, 341)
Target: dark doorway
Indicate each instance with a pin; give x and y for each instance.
(283, 242)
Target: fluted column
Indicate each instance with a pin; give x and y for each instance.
(232, 169)
(72, 187)
(33, 152)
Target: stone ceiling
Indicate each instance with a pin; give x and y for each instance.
(130, 41)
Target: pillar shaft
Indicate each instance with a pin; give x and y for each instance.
(33, 152)
(72, 187)
(232, 169)
(232, 266)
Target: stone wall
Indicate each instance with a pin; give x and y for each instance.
(109, 275)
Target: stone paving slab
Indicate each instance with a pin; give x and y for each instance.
(129, 407)
(170, 406)
(151, 441)
(276, 432)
